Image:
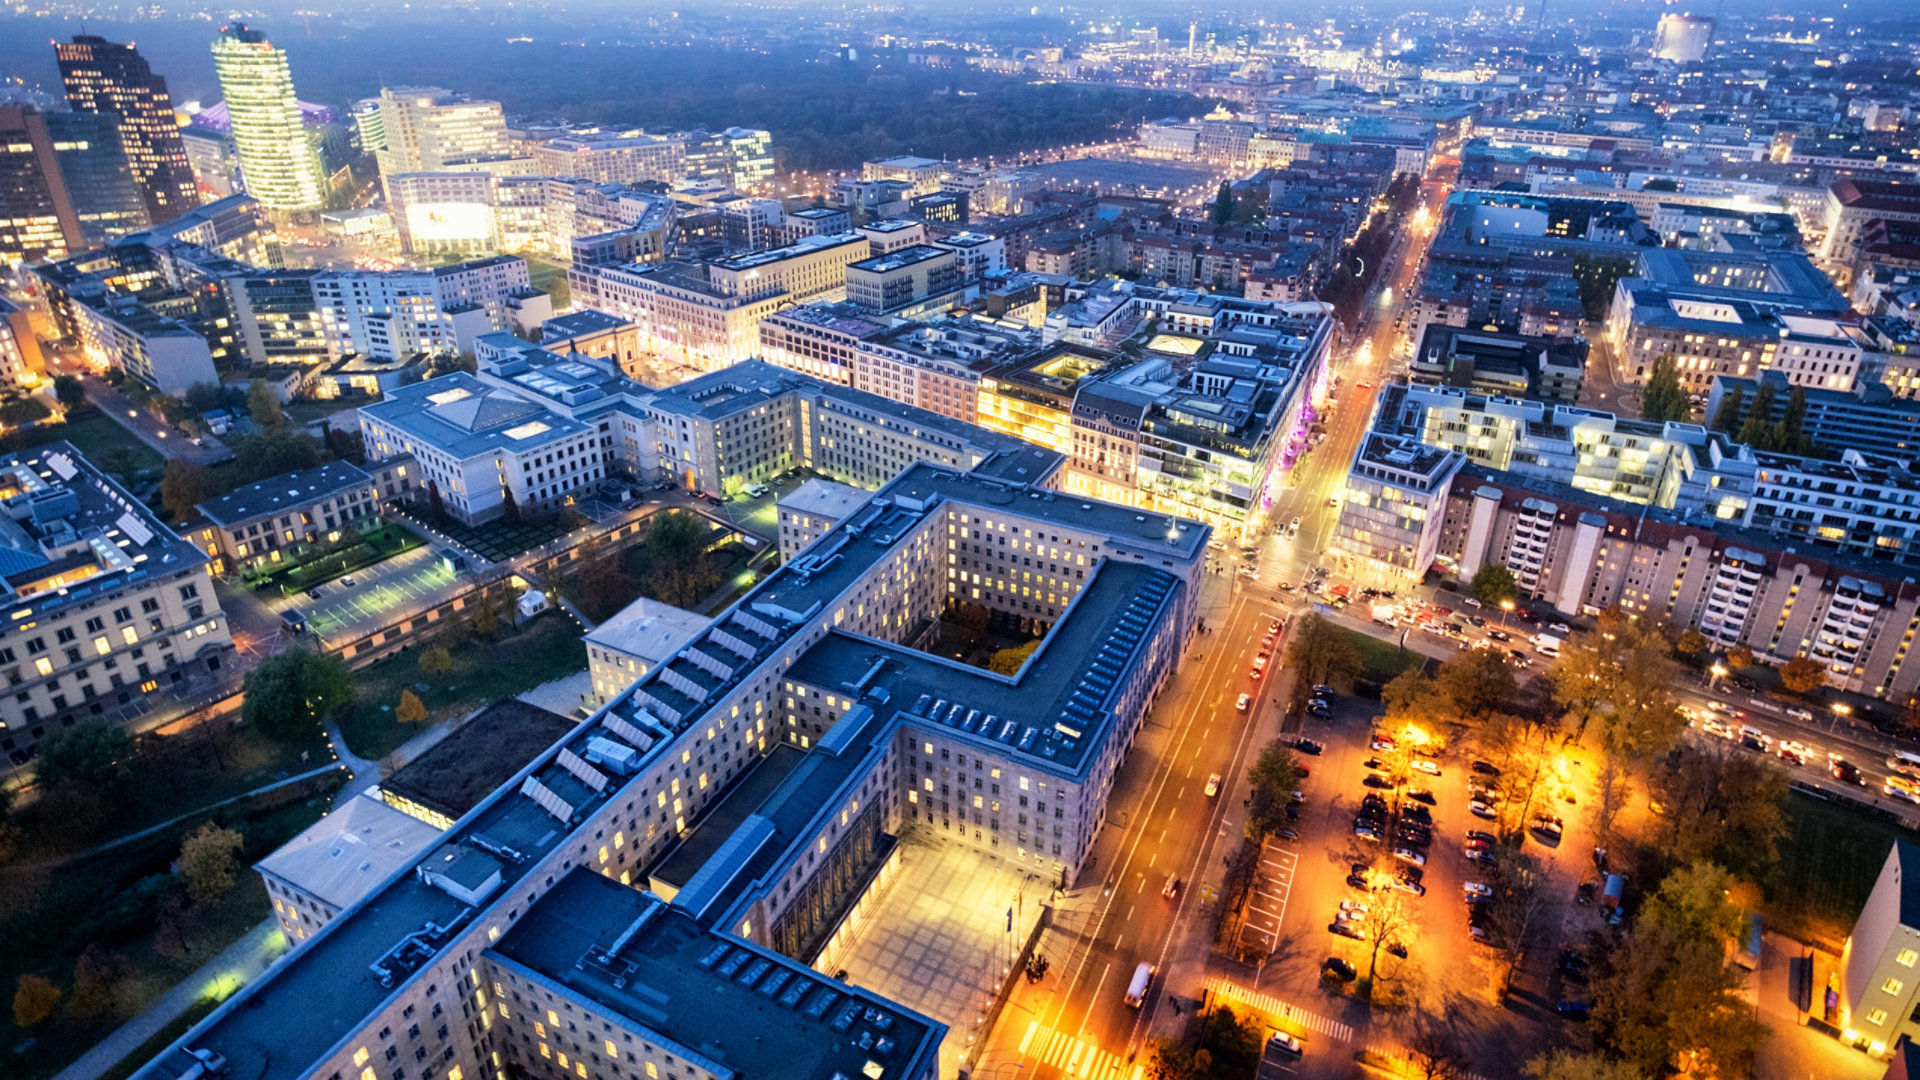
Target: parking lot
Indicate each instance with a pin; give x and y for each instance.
(1267, 905)
(348, 607)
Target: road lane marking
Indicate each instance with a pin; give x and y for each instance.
(1292, 1013)
(1027, 1039)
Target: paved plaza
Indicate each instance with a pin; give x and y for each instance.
(937, 938)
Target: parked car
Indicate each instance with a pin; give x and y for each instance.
(1284, 1043)
(1474, 888)
(1308, 746)
(1480, 808)
(1422, 765)
(1574, 1010)
(1420, 795)
(1407, 854)
(1336, 968)
(1347, 929)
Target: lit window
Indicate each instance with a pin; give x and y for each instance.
(1892, 986)
(1906, 957)
(1876, 1017)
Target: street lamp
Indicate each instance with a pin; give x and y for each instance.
(1506, 609)
(1719, 671)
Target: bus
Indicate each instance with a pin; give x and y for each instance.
(1142, 980)
(1905, 763)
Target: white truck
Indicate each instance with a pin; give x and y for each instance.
(1142, 981)
(1547, 643)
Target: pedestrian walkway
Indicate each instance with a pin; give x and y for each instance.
(365, 773)
(235, 966)
(1273, 1006)
(1075, 1056)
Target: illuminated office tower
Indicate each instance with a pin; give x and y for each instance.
(278, 161)
(106, 77)
(427, 129)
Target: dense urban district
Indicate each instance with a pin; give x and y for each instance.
(627, 544)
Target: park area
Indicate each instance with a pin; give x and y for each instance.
(685, 559)
(1829, 859)
(94, 907)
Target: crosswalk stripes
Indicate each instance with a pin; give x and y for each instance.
(1074, 1056)
(1292, 1013)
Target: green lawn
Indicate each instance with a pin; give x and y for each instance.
(550, 278)
(547, 648)
(376, 545)
(1381, 660)
(49, 916)
(1829, 860)
(95, 435)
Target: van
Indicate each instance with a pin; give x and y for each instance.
(1142, 981)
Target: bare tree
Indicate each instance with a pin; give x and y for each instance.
(1519, 901)
(1434, 1053)
(1390, 915)
(1616, 787)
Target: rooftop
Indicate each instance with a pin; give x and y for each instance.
(456, 773)
(826, 498)
(649, 629)
(467, 418)
(747, 1011)
(285, 492)
(341, 857)
(903, 257)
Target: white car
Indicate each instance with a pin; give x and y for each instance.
(1476, 889)
(1213, 785)
(1407, 854)
(1285, 1043)
(1245, 700)
(1805, 716)
(1470, 601)
(1424, 766)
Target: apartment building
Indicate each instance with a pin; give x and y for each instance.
(1880, 986)
(389, 314)
(902, 277)
(937, 365)
(21, 362)
(923, 175)
(166, 354)
(1393, 506)
(108, 603)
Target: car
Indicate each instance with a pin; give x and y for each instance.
(1413, 887)
(1319, 710)
(1286, 834)
(1499, 635)
(1213, 785)
(1284, 1043)
(1319, 704)
(1422, 765)
(347, 581)
(1519, 658)
(1266, 643)
(1486, 768)
(1172, 890)
(1481, 808)
(1470, 601)
(1413, 836)
(1285, 586)
(1353, 909)
(1475, 888)
(1479, 788)
(1294, 525)
(1805, 716)
(1561, 628)
(1347, 929)
(1375, 764)
(1336, 968)
(1418, 815)
(1549, 826)
(1365, 830)
(1573, 970)
(1420, 795)
(1792, 753)
(1246, 701)
(1476, 932)
(1308, 746)
(1845, 771)
(1481, 836)
(1380, 742)
(1357, 881)
(1364, 384)
(1325, 691)
(1375, 780)
(1259, 669)
(1483, 856)
(1293, 812)
(1373, 803)
(1574, 1010)
(1407, 854)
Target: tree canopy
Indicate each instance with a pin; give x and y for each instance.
(285, 694)
(1621, 674)
(1494, 583)
(1664, 398)
(95, 754)
(1319, 652)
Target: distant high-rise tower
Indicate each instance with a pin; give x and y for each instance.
(65, 185)
(278, 161)
(1682, 38)
(105, 77)
(426, 129)
(1193, 37)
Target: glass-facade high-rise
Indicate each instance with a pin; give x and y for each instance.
(106, 77)
(278, 160)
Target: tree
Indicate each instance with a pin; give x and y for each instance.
(434, 501)
(1516, 744)
(1319, 653)
(509, 506)
(1739, 657)
(1477, 683)
(34, 999)
(1621, 674)
(1692, 643)
(486, 621)
(1008, 661)
(95, 755)
(1493, 584)
(285, 695)
(1271, 781)
(207, 861)
(98, 977)
(1221, 211)
(1392, 916)
(410, 710)
(272, 452)
(1754, 430)
(1693, 901)
(1721, 804)
(70, 392)
(1572, 1065)
(1793, 420)
(1434, 1054)
(436, 660)
(1803, 675)
(1726, 418)
(1518, 905)
(263, 405)
(1664, 398)
(183, 487)
(1412, 698)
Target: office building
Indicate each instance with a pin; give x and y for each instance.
(921, 175)
(390, 314)
(902, 277)
(65, 184)
(809, 511)
(641, 637)
(339, 859)
(21, 363)
(105, 77)
(279, 161)
(95, 169)
(109, 604)
(282, 518)
(750, 855)
(820, 340)
(428, 129)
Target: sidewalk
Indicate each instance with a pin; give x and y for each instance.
(237, 965)
(365, 773)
